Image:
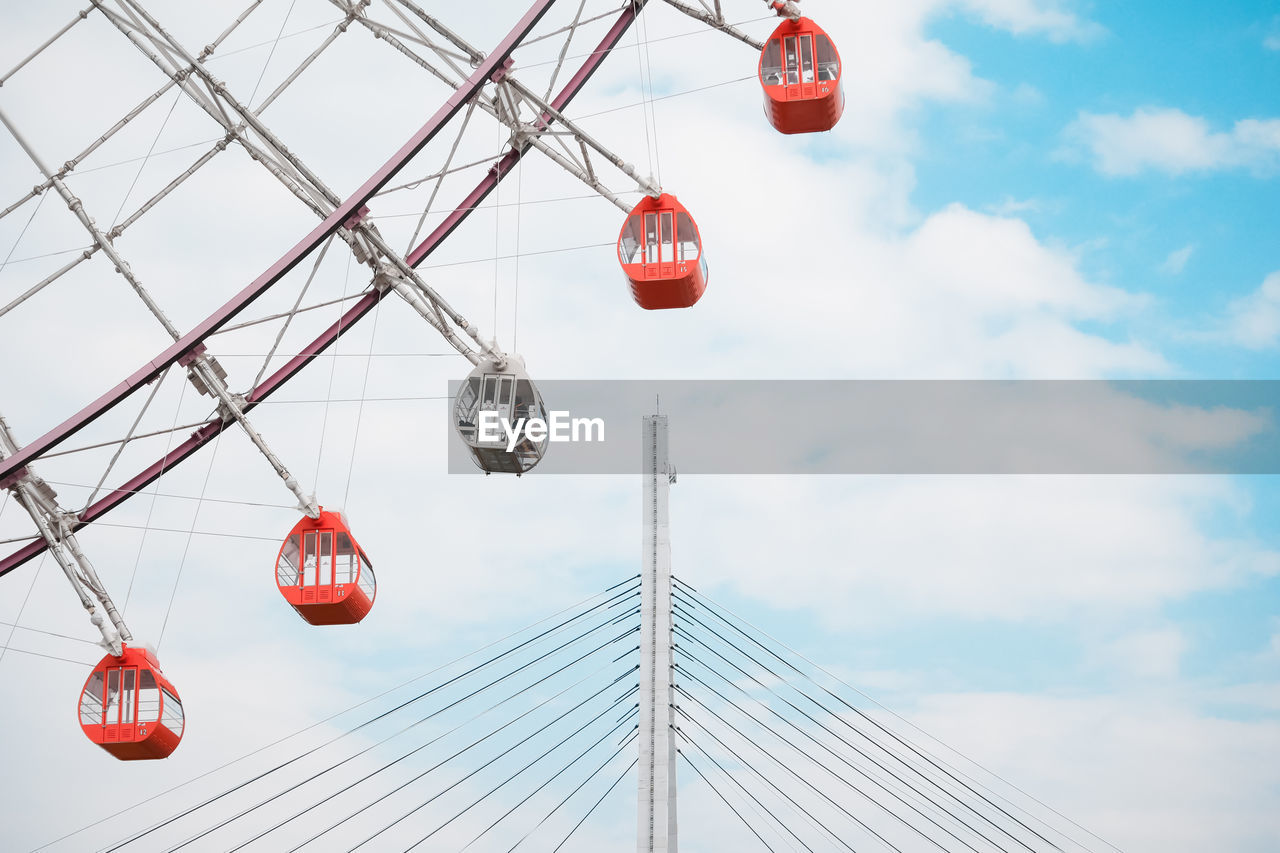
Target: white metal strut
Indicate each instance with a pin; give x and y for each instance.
(55, 525)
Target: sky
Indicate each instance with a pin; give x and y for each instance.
(1018, 189)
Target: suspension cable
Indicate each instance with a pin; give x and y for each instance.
(941, 766)
(388, 765)
(619, 724)
(724, 799)
(626, 741)
(549, 632)
(684, 653)
(597, 803)
(414, 751)
(186, 549)
(472, 773)
(828, 730)
(689, 739)
(630, 713)
(607, 597)
(683, 692)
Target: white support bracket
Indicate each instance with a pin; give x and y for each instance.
(785, 8)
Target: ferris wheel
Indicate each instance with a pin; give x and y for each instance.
(525, 83)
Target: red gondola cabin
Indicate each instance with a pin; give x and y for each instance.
(323, 572)
(661, 254)
(130, 709)
(800, 73)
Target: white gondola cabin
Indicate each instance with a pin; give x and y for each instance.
(496, 398)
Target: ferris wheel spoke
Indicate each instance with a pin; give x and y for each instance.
(203, 370)
(564, 48)
(303, 66)
(115, 442)
(325, 198)
(159, 54)
(70, 165)
(133, 428)
(80, 16)
(179, 180)
(600, 17)
(582, 172)
(417, 36)
(444, 53)
(56, 529)
(437, 177)
(117, 230)
(288, 317)
(270, 318)
(716, 20)
(345, 217)
(215, 100)
(129, 116)
(551, 112)
(391, 37)
(443, 173)
(204, 433)
(585, 140)
(504, 166)
(472, 54)
(100, 239)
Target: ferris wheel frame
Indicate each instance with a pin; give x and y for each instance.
(348, 214)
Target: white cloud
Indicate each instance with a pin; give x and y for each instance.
(1026, 95)
(1272, 40)
(998, 265)
(1176, 262)
(1048, 18)
(879, 550)
(1253, 321)
(1010, 206)
(1155, 654)
(1257, 136)
(1170, 140)
(1163, 778)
